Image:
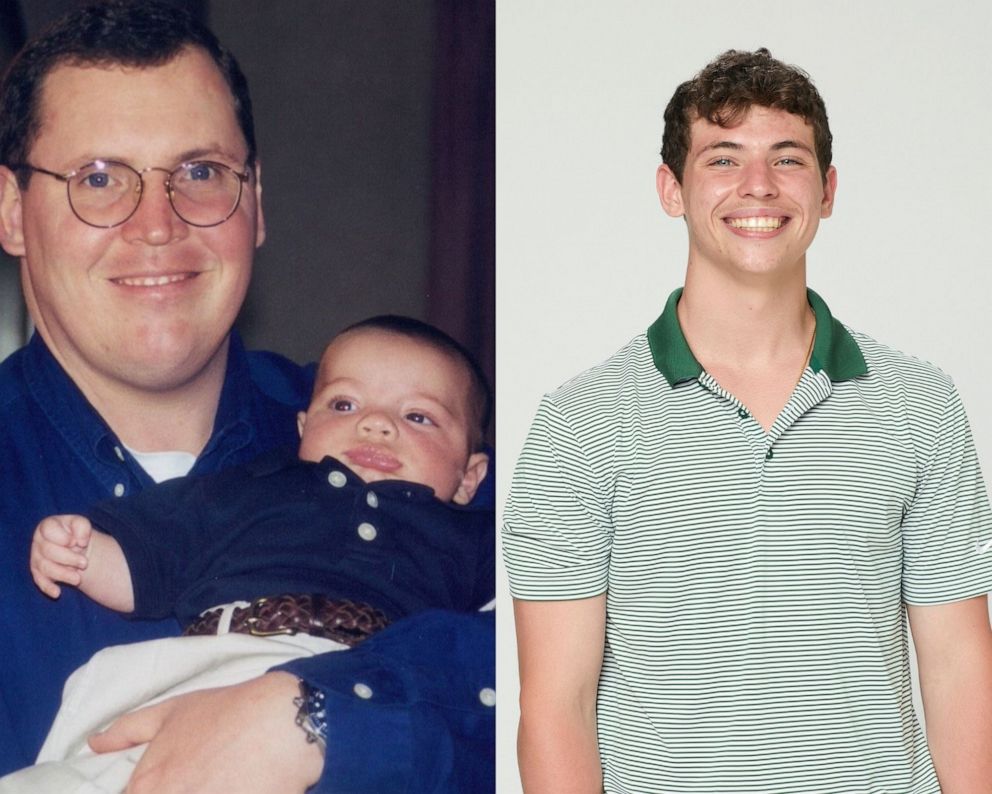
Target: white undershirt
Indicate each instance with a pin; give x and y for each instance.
(164, 465)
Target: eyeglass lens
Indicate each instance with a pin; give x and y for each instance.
(107, 193)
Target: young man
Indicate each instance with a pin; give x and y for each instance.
(134, 374)
(712, 537)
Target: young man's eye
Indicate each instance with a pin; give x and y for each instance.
(722, 162)
(790, 161)
(419, 419)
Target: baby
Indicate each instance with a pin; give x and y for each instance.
(365, 524)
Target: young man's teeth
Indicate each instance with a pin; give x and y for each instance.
(151, 281)
(762, 223)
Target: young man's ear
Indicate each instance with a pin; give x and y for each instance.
(829, 191)
(301, 422)
(11, 217)
(475, 473)
(669, 191)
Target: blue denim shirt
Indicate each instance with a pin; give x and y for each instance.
(58, 456)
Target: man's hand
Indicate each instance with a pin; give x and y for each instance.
(58, 552)
(239, 738)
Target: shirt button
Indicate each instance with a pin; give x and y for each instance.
(119, 489)
(769, 455)
(337, 479)
(487, 697)
(364, 691)
(372, 499)
(742, 413)
(366, 531)
(119, 453)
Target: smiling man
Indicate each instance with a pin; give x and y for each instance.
(130, 193)
(714, 537)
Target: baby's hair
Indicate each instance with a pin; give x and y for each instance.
(480, 398)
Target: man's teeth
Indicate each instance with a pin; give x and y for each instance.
(762, 223)
(152, 281)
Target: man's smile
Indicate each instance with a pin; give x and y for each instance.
(152, 281)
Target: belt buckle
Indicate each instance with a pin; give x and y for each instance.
(253, 619)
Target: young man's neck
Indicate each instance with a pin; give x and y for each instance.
(748, 320)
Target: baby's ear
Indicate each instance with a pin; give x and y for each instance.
(475, 473)
(301, 422)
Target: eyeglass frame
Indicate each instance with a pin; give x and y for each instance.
(242, 180)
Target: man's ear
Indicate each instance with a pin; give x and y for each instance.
(301, 422)
(475, 473)
(669, 191)
(11, 216)
(259, 215)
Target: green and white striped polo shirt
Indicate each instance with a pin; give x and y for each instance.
(756, 637)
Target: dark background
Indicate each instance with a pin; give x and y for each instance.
(375, 127)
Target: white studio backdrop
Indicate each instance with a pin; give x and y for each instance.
(586, 256)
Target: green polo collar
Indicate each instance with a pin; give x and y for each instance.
(834, 350)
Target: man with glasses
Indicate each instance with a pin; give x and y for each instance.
(129, 191)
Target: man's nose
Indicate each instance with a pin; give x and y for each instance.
(155, 222)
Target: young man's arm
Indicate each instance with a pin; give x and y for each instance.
(954, 651)
(560, 650)
(68, 549)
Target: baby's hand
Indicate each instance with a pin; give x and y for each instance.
(58, 552)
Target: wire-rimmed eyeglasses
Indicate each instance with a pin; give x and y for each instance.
(105, 193)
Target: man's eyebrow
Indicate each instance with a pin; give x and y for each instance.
(207, 151)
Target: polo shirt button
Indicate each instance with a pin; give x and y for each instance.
(337, 479)
(119, 453)
(371, 499)
(364, 691)
(487, 697)
(769, 455)
(742, 413)
(366, 531)
(119, 489)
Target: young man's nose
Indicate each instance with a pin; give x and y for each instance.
(758, 180)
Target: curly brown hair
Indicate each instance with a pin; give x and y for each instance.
(724, 91)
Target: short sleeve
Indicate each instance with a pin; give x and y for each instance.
(556, 525)
(947, 530)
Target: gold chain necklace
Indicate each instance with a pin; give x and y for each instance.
(809, 353)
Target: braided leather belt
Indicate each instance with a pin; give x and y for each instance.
(347, 622)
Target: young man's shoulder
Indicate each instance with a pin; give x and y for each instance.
(630, 365)
(899, 369)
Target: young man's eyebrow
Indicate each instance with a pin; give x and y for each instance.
(791, 145)
(723, 145)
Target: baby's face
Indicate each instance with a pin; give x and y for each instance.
(393, 408)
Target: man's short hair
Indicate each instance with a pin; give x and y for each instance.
(134, 33)
(480, 397)
(726, 89)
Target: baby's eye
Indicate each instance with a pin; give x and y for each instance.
(343, 405)
(419, 419)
